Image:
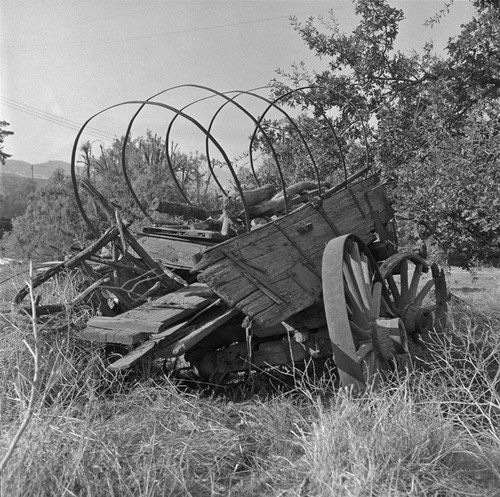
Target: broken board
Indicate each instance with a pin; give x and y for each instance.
(173, 252)
(179, 338)
(150, 318)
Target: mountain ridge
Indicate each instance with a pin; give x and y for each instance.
(43, 170)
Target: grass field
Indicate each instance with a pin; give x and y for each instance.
(434, 431)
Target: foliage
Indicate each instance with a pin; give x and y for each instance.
(52, 222)
(49, 226)
(4, 133)
(149, 175)
(432, 120)
(15, 192)
(317, 152)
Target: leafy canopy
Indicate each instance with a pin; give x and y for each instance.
(432, 120)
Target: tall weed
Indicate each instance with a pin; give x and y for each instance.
(432, 430)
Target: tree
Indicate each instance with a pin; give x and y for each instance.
(50, 225)
(15, 194)
(149, 175)
(433, 120)
(3, 134)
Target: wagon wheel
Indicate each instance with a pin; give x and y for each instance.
(365, 331)
(420, 304)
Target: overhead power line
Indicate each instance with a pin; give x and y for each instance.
(55, 46)
(52, 118)
(99, 19)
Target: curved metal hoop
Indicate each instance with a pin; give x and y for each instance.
(143, 103)
(209, 138)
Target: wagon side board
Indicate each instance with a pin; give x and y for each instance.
(275, 271)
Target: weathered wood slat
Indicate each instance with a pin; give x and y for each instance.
(168, 278)
(271, 249)
(125, 336)
(198, 333)
(133, 326)
(172, 251)
(179, 338)
(266, 312)
(148, 347)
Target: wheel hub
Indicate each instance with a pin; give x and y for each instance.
(417, 319)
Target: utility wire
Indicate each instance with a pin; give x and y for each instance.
(98, 19)
(58, 122)
(61, 121)
(32, 48)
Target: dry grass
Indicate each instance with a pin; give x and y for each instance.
(434, 431)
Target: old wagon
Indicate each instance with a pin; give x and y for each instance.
(316, 275)
(324, 280)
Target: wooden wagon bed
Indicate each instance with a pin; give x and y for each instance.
(275, 271)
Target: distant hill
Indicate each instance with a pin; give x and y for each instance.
(40, 171)
(15, 191)
(8, 180)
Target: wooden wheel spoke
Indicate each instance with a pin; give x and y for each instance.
(364, 350)
(376, 299)
(357, 272)
(360, 267)
(366, 269)
(373, 365)
(394, 290)
(356, 288)
(417, 273)
(359, 314)
(387, 308)
(423, 292)
(361, 334)
(403, 271)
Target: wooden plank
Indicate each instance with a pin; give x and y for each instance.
(198, 333)
(275, 254)
(172, 251)
(125, 336)
(168, 278)
(146, 348)
(299, 288)
(267, 313)
(179, 338)
(152, 317)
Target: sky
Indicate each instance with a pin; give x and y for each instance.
(62, 61)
